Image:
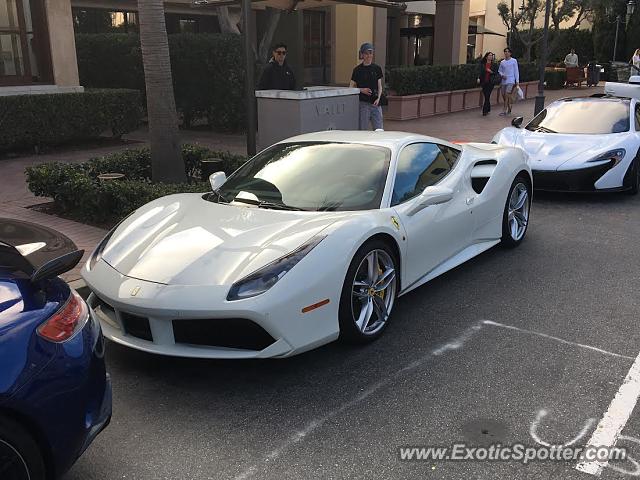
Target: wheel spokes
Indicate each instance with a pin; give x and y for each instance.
(372, 267)
(381, 308)
(365, 315)
(385, 280)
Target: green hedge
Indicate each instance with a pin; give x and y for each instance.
(79, 193)
(207, 69)
(555, 79)
(440, 78)
(28, 121)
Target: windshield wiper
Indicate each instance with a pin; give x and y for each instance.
(264, 204)
(279, 206)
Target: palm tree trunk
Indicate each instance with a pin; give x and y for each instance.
(166, 157)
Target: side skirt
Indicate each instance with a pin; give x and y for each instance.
(458, 259)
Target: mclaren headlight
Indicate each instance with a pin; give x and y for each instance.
(616, 155)
(262, 280)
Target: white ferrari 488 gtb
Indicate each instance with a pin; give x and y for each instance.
(312, 239)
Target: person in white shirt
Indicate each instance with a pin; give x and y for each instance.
(635, 61)
(571, 60)
(510, 80)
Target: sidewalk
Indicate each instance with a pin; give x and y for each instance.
(15, 197)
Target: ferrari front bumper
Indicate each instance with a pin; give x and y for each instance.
(198, 321)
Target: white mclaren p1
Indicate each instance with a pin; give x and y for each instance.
(583, 144)
(312, 239)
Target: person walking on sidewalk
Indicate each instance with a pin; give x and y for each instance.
(635, 61)
(367, 76)
(487, 74)
(510, 74)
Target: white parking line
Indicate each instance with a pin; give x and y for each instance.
(609, 428)
(550, 337)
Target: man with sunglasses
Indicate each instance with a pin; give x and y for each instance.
(277, 75)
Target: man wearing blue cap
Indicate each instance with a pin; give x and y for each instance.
(367, 76)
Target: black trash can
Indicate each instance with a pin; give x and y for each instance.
(209, 166)
(593, 74)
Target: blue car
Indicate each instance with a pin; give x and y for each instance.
(55, 394)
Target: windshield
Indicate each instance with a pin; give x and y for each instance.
(311, 176)
(587, 116)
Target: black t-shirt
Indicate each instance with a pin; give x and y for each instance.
(366, 76)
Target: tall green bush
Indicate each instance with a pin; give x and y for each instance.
(28, 121)
(207, 69)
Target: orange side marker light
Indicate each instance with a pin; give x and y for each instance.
(315, 305)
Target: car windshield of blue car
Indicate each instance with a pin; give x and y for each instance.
(587, 116)
(313, 176)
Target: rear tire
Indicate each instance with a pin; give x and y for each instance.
(515, 218)
(20, 456)
(368, 293)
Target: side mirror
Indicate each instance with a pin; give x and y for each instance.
(217, 180)
(434, 195)
(517, 122)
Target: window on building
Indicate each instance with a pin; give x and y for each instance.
(315, 47)
(24, 43)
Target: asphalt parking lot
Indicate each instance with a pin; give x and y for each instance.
(516, 346)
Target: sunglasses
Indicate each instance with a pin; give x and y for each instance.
(281, 52)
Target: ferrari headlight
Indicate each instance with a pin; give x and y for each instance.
(616, 155)
(262, 280)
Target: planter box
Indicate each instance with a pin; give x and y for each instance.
(428, 104)
(406, 107)
(419, 106)
(473, 98)
(456, 102)
(442, 102)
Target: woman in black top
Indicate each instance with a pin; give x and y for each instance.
(487, 72)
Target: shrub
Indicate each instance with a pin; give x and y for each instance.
(440, 78)
(28, 121)
(207, 69)
(79, 193)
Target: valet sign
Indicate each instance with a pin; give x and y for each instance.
(331, 109)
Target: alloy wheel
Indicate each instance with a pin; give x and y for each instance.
(373, 292)
(518, 216)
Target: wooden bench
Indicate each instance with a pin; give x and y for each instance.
(575, 76)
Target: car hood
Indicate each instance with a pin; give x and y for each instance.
(185, 240)
(554, 151)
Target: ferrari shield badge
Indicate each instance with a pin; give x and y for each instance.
(395, 222)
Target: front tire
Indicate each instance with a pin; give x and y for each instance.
(20, 457)
(515, 219)
(368, 293)
(635, 178)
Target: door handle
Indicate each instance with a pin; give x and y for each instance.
(470, 200)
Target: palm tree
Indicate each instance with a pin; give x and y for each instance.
(166, 157)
